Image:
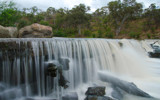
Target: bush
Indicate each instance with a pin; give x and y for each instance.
(109, 35)
(148, 35)
(100, 34)
(135, 35)
(44, 23)
(87, 33)
(22, 23)
(59, 33)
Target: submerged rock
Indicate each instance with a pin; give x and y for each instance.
(70, 96)
(35, 31)
(128, 87)
(39, 99)
(65, 63)
(93, 97)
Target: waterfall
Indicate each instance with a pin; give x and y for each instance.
(22, 70)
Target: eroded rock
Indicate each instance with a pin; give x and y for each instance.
(35, 31)
(8, 32)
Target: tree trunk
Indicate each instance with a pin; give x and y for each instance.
(118, 30)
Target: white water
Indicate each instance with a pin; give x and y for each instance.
(128, 61)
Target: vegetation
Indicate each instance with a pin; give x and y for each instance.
(118, 19)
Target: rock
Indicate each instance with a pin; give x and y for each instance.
(51, 70)
(62, 81)
(128, 87)
(39, 99)
(11, 94)
(97, 91)
(117, 93)
(8, 32)
(65, 63)
(12, 31)
(2, 87)
(35, 31)
(93, 97)
(70, 96)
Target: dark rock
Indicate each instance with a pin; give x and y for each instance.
(93, 97)
(65, 63)
(97, 91)
(154, 55)
(51, 70)
(62, 81)
(70, 96)
(156, 50)
(128, 87)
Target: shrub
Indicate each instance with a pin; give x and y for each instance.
(22, 23)
(148, 35)
(87, 33)
(44, 23)
(59, 33)
(135, 35)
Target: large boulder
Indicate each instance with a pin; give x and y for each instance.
(35, 31)
(8, 32)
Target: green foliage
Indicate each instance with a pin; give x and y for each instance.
(135, 35)
(22, 23)
(148, 35)
(59, 33)
(120, 11)
(9, 15)
(44, 23)
(87, 33)
(100, 34)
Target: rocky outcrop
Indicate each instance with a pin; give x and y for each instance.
(8, 32)
(35, 31)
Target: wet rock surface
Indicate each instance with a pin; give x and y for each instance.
(70, 96)
(92, 97)
(128, 87)
(98, 91)
(39, 99)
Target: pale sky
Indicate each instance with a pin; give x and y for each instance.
(94, 4)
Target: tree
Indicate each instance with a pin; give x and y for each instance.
(9, 14)
(152, 14)
(77, 16)
(120, 11)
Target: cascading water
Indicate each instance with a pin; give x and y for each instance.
(22, 73)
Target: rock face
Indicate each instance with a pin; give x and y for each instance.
(35, 31)
(8, 32)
